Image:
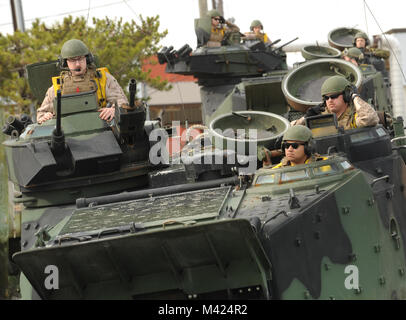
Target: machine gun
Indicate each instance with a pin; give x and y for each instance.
(285, 44)
(59, 149)
(129, 121)
(58, 138)
(133, 90)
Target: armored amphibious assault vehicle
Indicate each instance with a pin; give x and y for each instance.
(101, 220)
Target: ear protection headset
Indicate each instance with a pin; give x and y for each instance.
(89, 59)
(308, 149)
(252, 28)
(63, 64)
(354, 42)
(347, 94)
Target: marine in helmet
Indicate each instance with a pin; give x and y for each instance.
(80, 75)
(295, 146)
(256, 32)
(361, 41)
(341, 98)
(220, 29)
(354, 55)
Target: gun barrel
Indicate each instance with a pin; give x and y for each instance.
(275, 42)
(58, 128)
(133, 91)
(285, 44)
(58, 138)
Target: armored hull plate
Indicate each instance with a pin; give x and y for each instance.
(211, 259)
(149, 212)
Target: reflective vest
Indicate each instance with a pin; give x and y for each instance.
(308, 160)
(217, 34)
(99, 80)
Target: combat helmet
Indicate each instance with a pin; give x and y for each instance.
(75, 48)
(354, 53)
(256, 23)
(334, 84)
(298, 133)
(361, 35)
(215, 13)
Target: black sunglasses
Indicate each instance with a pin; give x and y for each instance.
(333, 96)
(218, 19)
(294, 145)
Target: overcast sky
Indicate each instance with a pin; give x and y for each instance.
(310, 20)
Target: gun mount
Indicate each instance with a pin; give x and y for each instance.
(219, 69)
(129, 121)
(220, 65)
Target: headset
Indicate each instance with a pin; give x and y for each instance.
(354, 41)
(347, 93)
(262, 27)
(63, 64)
(308, 149)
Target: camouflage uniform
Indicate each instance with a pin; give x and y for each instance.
(113, 93)
(380, 53)
(377, 52)
(358, 114)
(217, 34)
(260, 36)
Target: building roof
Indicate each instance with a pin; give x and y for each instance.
(185, 89)
(396, 30)
(159, 70)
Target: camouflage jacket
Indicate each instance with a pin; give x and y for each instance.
(260, 36)
(217, 34)
(359, 114)
(380, 53)
(113, 93)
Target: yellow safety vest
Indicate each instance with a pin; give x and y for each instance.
(308, 160)
(217, 34)
(100, 81)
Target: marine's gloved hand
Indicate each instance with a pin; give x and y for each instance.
(315, 110)
(261, 153)
(354, 89)
(351, 92)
